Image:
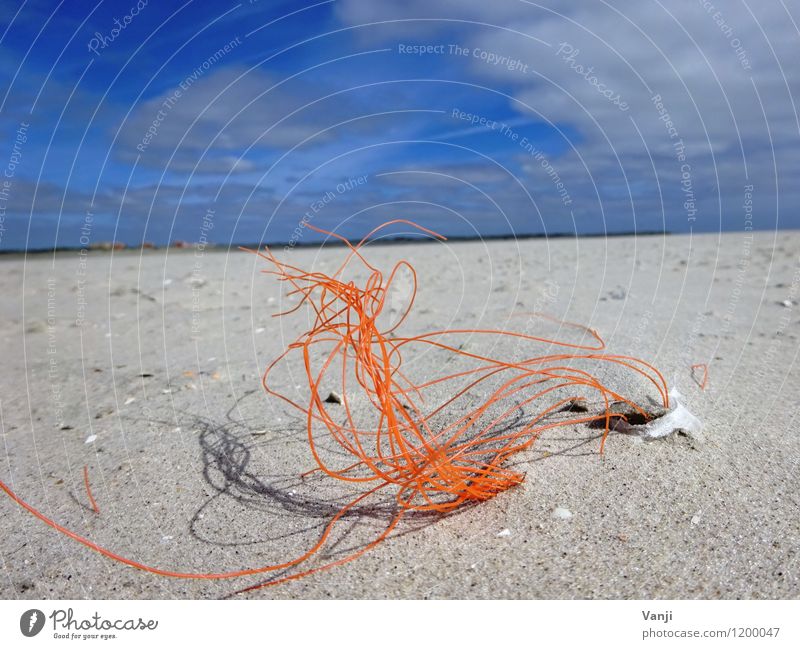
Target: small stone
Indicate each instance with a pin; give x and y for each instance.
(563, 513)
(35, 327)
(575, 405)
(696, 518)
(333, 397)
(653, 410)
(104, 412)
(505, 532)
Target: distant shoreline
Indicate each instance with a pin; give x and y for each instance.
(184, 245)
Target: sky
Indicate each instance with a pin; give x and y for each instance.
(141, 121)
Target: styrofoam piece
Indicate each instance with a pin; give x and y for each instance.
(678, 418)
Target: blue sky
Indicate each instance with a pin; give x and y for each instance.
(473, 118)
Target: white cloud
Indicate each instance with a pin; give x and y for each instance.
(228, 110)
(703, 63)
(418, 18)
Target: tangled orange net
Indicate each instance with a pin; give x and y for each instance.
(400, 435)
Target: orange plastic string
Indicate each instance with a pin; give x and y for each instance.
(395, 436)
(704, 380)
(89, 489)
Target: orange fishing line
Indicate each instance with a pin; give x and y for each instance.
(704, 381)
(89, 489)
(391, 437)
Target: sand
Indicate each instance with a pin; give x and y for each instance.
(145, 367)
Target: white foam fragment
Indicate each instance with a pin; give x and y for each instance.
(90, 439)
(505, 532)
(678, 418)
(563, 513)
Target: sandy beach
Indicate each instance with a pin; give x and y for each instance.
(145, 366)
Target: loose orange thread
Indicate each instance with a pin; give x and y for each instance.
(704, 381)
(393, 439)
(89, 489)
